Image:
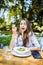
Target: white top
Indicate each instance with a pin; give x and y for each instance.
(32, 41)
(41, 44)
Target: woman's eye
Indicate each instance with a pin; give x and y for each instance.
(23, 23)
(13, 28)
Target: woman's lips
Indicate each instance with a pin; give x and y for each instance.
(23, 28)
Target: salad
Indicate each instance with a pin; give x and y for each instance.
(21, 50)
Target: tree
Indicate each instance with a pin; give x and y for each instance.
(31, 9)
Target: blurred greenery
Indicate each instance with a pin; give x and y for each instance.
(5, 40)
(16, 9)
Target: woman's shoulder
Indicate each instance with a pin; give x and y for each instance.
(31, 33)
(18, 36)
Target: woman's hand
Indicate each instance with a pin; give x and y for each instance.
(14, 29)
(33, 48)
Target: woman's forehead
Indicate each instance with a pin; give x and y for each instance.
(13, 25)
(23, 21)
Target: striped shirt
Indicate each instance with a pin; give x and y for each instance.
(32, 41)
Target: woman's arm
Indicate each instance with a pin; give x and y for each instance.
(14, 33)
(12, 42)
(34, 48)
(36, 45)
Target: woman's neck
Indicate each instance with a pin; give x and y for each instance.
(22, 34)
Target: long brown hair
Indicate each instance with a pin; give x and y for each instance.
(26, 33)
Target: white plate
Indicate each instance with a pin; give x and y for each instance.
(21, 50)
(21, 55)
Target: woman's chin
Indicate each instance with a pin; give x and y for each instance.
(23, 31)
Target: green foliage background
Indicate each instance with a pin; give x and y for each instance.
(19, 8)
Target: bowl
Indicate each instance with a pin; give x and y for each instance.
(21, 50)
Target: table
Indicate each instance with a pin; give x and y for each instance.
(13, 60)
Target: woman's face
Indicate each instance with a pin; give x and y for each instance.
(23, 26)
(14, 29)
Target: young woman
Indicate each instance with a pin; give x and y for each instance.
(25, 37)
